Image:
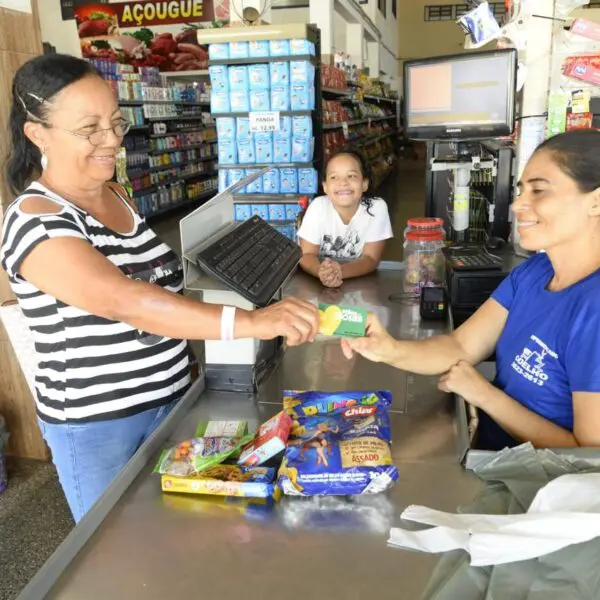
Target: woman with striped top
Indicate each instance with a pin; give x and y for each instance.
(99, 290)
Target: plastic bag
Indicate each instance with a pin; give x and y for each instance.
(339, 444)
(198, 454)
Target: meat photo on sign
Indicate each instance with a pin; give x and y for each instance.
(170, 46)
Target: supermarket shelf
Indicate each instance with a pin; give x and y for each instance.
(269, 165)
(177, 103)
(185, 74)
(177, 179)
(183, 164)
(138, 128)
(359, 122)
(173, 207)
(261, 60)
(382, 99)
(353, 84)
(282, 113)
(263, 198)
(343, 93)
(177, 118)
(162, 135)
(181, 148)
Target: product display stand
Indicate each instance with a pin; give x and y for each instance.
(285, 191)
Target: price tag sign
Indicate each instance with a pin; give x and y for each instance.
(345, 129)
(261, 122)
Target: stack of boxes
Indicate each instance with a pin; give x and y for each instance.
(280, 86)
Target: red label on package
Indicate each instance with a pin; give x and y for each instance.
(583, 72)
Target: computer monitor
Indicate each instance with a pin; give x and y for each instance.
(460, 97)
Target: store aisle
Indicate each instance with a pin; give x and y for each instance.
(403, 190)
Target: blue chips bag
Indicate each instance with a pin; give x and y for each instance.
(339, 444)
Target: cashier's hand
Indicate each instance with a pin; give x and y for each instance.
(377, 345)
(295, 320)
(330, 273)
(465, 380)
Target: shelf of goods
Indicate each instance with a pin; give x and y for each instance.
(168, 158)
(356, 120)
(265, 99)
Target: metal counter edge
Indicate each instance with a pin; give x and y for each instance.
(45, 579)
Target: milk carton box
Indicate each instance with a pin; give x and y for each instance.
(259, 77)
(239, 50)
(225, 128)
(288, 181)
(279, 73)
(227, 152)
(219, 102)
(280, 97)
(282, 150)
(258, 49)
(243, 128)
(263, 143)
(279, 48)
(246, 151)
(239, 101)
(219, 78)
(239, 79)
(260, 100)
(271, 182)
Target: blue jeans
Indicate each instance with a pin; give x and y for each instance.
(88, 456)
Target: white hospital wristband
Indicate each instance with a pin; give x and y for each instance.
(228, 323)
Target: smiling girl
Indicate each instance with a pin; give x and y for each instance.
(343, 233)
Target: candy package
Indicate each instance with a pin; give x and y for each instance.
(225, 480)
(339, 444)
(198, 454)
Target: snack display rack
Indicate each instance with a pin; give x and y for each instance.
(358, 115)
(282, 194)
(168, 158)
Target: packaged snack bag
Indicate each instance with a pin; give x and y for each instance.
(198, 454)
(339, 444)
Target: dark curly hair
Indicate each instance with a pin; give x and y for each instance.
(368, 197)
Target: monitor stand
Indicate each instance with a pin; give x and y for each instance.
(461, 164)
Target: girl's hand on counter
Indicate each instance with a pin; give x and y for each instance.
(330, 273)
(377, 345)
(295, 320)
(465, 380)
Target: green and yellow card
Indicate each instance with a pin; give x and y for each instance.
(342, 321)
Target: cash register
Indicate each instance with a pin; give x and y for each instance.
(459, 102)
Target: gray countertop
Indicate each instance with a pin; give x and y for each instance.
(153, 545)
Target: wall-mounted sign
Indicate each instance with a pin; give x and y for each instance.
(151, 33)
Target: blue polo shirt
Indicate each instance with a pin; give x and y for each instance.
(550, 346)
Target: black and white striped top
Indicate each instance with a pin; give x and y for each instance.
(92, 368)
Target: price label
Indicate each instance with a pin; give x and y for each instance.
(345, 129)
(261, 122)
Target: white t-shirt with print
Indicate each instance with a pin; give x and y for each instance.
(323, 226)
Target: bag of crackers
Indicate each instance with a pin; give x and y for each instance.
(339, 444)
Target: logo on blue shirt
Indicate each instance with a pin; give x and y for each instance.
(531, 363)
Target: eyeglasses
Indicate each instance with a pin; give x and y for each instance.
(120, 129)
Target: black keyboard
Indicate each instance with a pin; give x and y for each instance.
(472, 259)
(253, 260)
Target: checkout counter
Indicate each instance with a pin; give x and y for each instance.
(138, 542)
